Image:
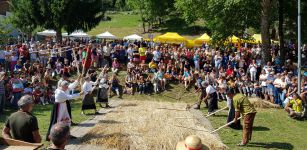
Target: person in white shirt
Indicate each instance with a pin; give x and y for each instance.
(60, 112)
(211, 96)
(262, 78)
(107, 52)
(253, 70)
(88, 98)
(268, 68)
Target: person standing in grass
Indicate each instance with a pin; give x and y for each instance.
(88, 99)
(22, 125)
(60, 111)
(243, 105)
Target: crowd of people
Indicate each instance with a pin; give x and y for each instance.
(31, 68)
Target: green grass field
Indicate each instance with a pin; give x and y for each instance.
(124, 23)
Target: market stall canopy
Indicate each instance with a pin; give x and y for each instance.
(257, 38)
(50, 33)
(106, 35)
(190, 44)
(133, 37)
(79, 34)
(234, 39)
(170, 37)
(203, 39)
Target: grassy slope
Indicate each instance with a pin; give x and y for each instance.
(123, 24)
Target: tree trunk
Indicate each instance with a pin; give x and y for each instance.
(281, 31)
(265, 31)
(58, 35)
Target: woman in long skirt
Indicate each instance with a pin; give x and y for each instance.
(102, 94)
(88, 101)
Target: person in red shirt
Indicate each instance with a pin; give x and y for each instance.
(229, 71)
(23, 54)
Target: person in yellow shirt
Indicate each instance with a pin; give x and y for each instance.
(152, 66)
(142, 52)
(243, 105)
(295, 106)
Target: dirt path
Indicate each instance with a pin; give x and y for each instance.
(145, 125)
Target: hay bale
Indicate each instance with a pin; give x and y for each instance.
(143, 126)
(259, 103)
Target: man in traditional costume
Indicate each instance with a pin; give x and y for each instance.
(60, 112)
(243, 105)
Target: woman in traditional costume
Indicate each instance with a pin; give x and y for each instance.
(88, 99)
(60, 112)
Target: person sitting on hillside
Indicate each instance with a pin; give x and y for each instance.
(152, 66)
(295, 106)
(22, 125)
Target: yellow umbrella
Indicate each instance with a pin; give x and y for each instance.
(170, 37)
(204, 38)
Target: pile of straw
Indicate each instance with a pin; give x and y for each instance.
(259, 103)
(149, 125)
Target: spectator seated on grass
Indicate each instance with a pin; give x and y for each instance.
(295, 106)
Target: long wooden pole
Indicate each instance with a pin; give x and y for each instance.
(223, 126)
(216, 111)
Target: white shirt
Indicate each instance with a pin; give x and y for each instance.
(54, 52)
(61, 96)
(210, 89)
(87, 87)
(106, 51)
(3, 54)
(262, 77)
(253, 67)
(33, 55)
(268, 69)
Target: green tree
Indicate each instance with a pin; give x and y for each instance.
(151, 11)
(191, 10)
(69, 15)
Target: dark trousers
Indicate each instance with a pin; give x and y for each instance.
(212, 102)
(248, 127)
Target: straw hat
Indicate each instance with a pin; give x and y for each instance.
(191, 142)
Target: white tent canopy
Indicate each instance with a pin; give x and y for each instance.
(79, 34)
(106, 35)
(50, 33)
(133, 37)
